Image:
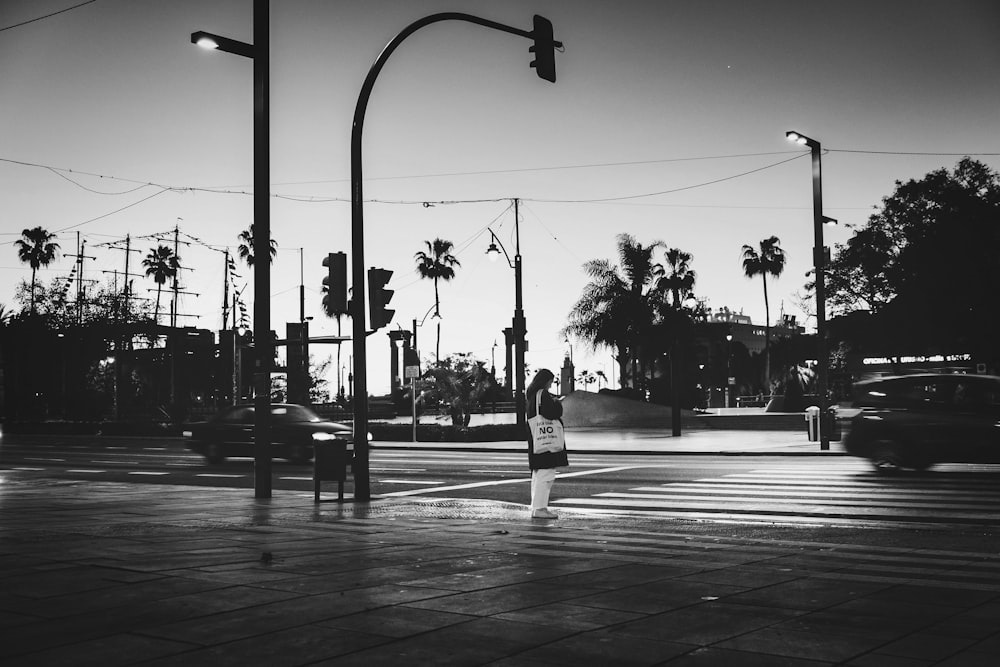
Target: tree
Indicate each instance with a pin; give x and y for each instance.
(618, 306)
(461, 382)
(161, 263)
(769, 260)
(927, 264)
(37, 248)
(437, 263)
(245, 249)
(678, 277)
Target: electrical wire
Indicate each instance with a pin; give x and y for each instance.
(61, 11)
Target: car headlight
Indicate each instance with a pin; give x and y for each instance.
(369, 436)
(324, 437)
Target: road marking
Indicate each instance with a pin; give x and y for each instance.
(117, 463)
(29, 469)
(398, 469)
(207, 474)
(498, 482)
(506, 472)
(296, 479)
(29, 458)
(148, 473)
(407, 481)
(109, 447)
(89, 471)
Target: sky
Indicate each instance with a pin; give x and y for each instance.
(667, 122)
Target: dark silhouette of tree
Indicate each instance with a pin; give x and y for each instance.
(618, 306)
(768, 260)
(437, 263)
(678, 278)
(37, 248)
(245, 249)
(927, 265)
(162, 264)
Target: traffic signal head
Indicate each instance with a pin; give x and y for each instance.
(544, 48)
(379, 297)
(335, 301)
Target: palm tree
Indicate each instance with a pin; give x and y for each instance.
(36, 247)
(245, 249)
(769, 260)
(437, 263)
(161, 263)
(618, 306)
(679, 278)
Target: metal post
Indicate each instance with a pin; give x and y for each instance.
(519, 323)
(362, 488)
(820, 267)
(262, 250)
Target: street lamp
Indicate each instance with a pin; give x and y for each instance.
(729, 365)
(259, 52)
(519, 324)
(544, 64)
(819, 262)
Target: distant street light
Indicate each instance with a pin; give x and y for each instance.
(519, 323)
(819, 263)
(259, 52)
(543, 47)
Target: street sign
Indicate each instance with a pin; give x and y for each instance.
(411, 372)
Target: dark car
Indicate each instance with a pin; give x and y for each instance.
(295, 430)
(915, 421)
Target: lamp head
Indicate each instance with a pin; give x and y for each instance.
(493, 252)
(204, 40)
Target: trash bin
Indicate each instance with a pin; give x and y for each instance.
(330, 460)
(833, 427)
(812, 423)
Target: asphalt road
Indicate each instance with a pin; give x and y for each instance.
(770, 490)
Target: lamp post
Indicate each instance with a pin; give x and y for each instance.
(259, 52)
(729, 365)
(819, 262)
(519, 324)
(544, 64)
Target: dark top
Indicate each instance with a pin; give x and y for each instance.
(550, 409)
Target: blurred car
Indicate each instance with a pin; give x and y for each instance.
(915, 421)
(295, 430)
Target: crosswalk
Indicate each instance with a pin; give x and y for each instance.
(841, 493)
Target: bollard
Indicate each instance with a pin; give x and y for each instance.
(812, 423)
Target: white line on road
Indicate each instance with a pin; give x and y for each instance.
(205, 474)
(498, 482)
(91, 471)
(148, 473)
(407, 481)
(29, 458)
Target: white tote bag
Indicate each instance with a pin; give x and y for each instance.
(546, 434)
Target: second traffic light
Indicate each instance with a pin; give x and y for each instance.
(378, 298)
(335, 301)
(544, 48)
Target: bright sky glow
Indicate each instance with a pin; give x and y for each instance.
(667, 121)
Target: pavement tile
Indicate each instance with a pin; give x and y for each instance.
(718, 657)
(806, 593)
(882, 660)
(396, 621)
(749, 576)
(570, 616)
(500, 599)
(926, 646)
(886, 628)
(485, 578)
(777, 640)
(107, 651)
(306, 644)
(704, 624)
(970, 658)
(602, 647)
(620, 576)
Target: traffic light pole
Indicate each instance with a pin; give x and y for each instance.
(362, 486)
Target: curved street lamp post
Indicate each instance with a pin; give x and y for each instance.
(519, 323)
(544, 64)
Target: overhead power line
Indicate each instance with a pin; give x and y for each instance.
(61, 11)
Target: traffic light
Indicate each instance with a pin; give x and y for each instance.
(378, 298)
(335, 301)
(544, 49)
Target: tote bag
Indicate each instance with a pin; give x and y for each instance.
(546, 434)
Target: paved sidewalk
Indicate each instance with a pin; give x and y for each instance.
(121, 574)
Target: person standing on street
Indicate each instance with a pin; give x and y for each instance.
(543, 464)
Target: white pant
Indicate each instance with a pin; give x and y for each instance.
(541, 485)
